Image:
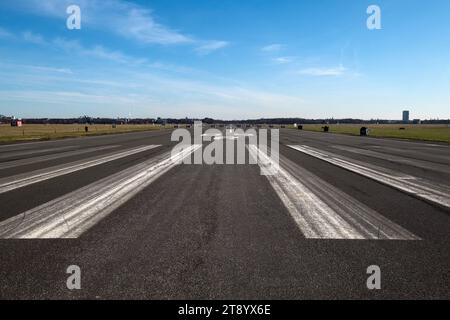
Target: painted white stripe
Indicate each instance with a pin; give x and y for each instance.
(22, 162)
(73, 214)
(321, 211)
(22, 180)
(421, 188)
(399, 159)
(27, 145)
(15, 154)
(32, 143)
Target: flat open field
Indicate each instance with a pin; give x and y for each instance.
(59, 131)
(416, 132)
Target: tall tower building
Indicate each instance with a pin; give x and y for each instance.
(405, 116)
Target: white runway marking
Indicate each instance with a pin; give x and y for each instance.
(422, 153)
(402, 160)
(420, 188)
(26, 145)
(13, 154)
(37, 159)
(22, 180)
(322, 211)
(235, 136)
(71, 215)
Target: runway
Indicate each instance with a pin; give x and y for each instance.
(143, 227)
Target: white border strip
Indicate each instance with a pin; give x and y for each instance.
(420, 188)
(27, 161)
(324, 212)
(22, 180)
(73, 214)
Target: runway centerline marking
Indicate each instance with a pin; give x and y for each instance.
(322, 211)
(421, 188)
(28, 178)
(73, 214)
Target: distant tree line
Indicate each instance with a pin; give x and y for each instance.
(162, 121)
(87, 120)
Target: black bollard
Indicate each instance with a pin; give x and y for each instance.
(364, 131)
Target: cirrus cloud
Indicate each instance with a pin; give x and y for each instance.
(275, 47)
(211, 46)
(125, 19)
(324, 72)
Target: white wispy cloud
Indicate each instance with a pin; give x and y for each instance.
(324, 72)
(123, 18)
(211, 46)
(283, 60)
(97, 51)
(204, 96)
(5, 33)
(138, 23)
(101, 52)
(15, 66)
(48, 69)
(120, 17)
(150, 94)
(65, 97)
(31, 37)
(275, 47)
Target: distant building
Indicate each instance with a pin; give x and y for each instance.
(406, 116)
(16, 122)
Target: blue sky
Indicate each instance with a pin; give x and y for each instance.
(225, 59)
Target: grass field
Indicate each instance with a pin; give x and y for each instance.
(415, 132)
(58, 131)
(47, 132)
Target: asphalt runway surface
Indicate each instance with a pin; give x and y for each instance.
(140, 226)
